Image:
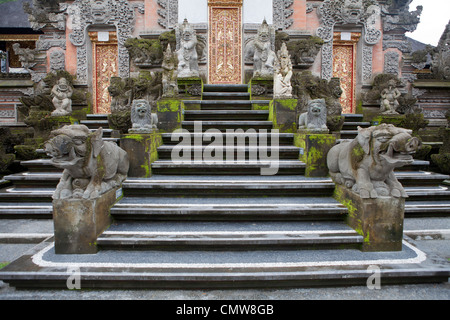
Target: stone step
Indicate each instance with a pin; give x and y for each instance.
(284, 152)
(16, 194)
(227, 186)
(349, 134)
(225, 88)
(255, 235)
(420, 178)
(226, 96)
(354, 125)
(232, 125)
(215, 115)
(40, 165)
(282, 139)
(426, 193)
(230, 104)
(232, 167)
(93, 116)
(106, 132)
(26, 210)
(349, 117)
(35, 179)
(430, 208)
(228, 209)
(96, 123)
(240, 269)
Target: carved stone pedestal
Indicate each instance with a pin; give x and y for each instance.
(283, 113)
(170, 115)
(190, 88)
(314, 149)
(142, 152)
(379, 221)
(78, 222)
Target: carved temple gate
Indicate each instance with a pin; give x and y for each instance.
(225, 42)
(105, 66)
(344, 67)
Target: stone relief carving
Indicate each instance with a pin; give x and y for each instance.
(121, 92)
(396, 14)
(366, 164)
(43, 13)
(282, 88)
(440, 65)
(27, 57)
(187, 51)
(281, 14)
(170, 74)
(57, 61)
(142, 118)
(315, 119)
(391, 62)
(91, 166)
(119, 13)
(168, 13)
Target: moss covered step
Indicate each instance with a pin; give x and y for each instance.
(228, 185)
(26, 210)
(225, 88)
(228, 236)
(240, 115)
(226, 96)
(248, 152)
(282, 139)
(234, 167)
(233, 125)
(229, 209)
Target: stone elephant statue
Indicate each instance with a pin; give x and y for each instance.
(91, 166)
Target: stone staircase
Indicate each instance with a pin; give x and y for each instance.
(224, 225)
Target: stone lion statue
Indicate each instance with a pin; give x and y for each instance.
(366, 164)
(142, 118)
(316, 117)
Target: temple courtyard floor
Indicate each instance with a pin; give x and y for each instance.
(430, 235)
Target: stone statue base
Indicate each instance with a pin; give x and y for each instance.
(314, 149)
(190, 88)
(379, 221)
(170, 114)
(78, 222)
(142, 152)
(283, 113)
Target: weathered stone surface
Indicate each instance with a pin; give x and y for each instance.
(283, 114)
(315, 148)
(142, 152)
(79, 222)
(169, 114)
(187, 52)
(379, 221)
(282, 87)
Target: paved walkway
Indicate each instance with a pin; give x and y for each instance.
(431, 235)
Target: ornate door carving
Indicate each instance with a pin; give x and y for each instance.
(225, 42)
(105, 66)
(344, 57)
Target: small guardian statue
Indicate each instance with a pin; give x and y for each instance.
(142, 118)
(169, 74)
(389, 96)
(187, 52)
(62, 93)
(264, 57)
(315, 119)
(282, 88)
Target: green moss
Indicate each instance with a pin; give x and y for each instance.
(136, 137)
(168, 106)
(3, 264)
